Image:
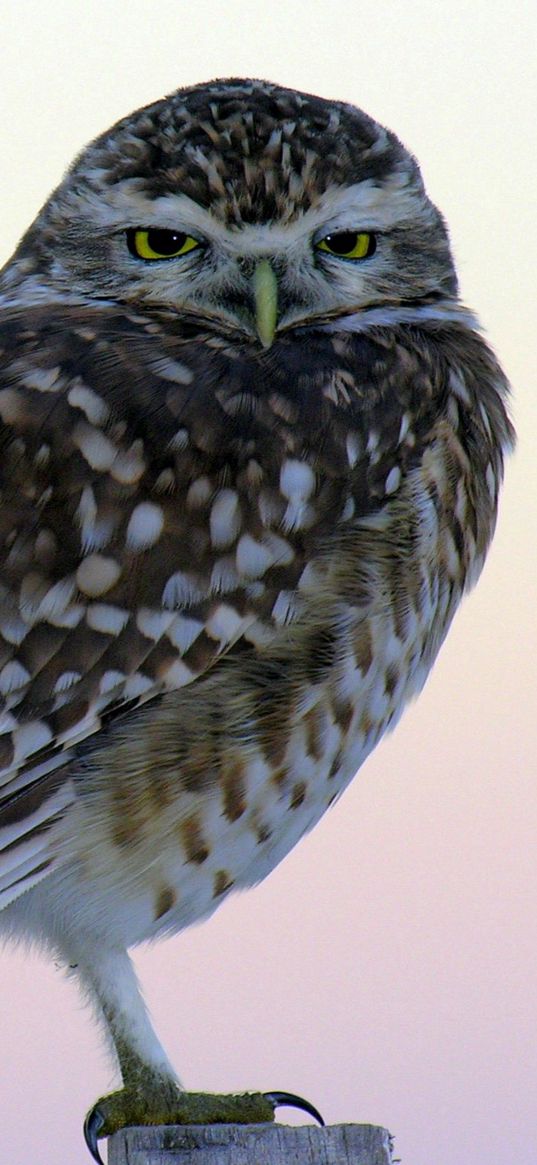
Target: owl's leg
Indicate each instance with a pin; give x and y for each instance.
(109, 979)
(151, 1093)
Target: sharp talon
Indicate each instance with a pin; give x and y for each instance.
(92, 1127)
(278, 1098)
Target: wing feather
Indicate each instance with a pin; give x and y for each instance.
(163, 496)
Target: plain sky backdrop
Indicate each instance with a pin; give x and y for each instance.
(387, 969)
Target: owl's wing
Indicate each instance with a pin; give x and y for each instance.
(162, 494)
(168, 498)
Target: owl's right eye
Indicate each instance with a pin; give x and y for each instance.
(349, 244)
(154, 243)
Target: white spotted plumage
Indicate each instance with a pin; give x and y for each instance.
(238, 510)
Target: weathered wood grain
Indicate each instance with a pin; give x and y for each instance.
(251, 1145)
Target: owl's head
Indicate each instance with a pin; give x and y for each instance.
(251, 207)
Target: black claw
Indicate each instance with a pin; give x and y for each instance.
(277, 1098)
(92, 1127)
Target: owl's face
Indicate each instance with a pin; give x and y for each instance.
(252, 208)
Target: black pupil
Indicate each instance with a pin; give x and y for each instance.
(166, 242)
(344, 242)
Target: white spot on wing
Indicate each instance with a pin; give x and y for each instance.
(172, 370)
(180, 440)
(199, 493)
(393, 480)
(95, 532)
(97, 574)
(109, 680)
(57, 599)
(153, 624)
(106, 618)
(225, 518)
(145, 526)
(285, 608)
(225, 623)
(297, 480)
(177, 675)
(42, 456)
(13, 629)
(353, 448)
(96, 449)
(297, 483)
(93, 406)
(183, 632)
(224, 575)
(404, 428)
(65, 681)
(13, 676)
(180, 591)
(43, 379)
(86, 511)
(129, 466)
(29, 738)
(138, 685)
(253, 559)
(32, 589)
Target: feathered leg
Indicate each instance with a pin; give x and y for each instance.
(151, 1093)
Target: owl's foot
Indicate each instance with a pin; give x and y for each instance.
(170, 1106)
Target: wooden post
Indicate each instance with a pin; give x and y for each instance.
(270, 1144)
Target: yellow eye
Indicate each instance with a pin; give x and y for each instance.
(349, 244)
(160, 244)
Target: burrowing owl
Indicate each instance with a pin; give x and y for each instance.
(251, 451)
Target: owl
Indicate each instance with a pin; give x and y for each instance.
(251, 444)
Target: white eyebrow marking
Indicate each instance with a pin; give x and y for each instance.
(362, 204)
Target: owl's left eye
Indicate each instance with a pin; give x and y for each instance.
(348, 244)
(160, 244)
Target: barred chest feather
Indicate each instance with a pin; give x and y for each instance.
(229, 570)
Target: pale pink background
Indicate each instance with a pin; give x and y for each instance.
(387, 969)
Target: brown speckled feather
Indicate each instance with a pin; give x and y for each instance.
(139, 458)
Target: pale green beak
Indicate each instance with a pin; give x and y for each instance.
(266, 301)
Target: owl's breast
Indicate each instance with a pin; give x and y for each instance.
(225, 572)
